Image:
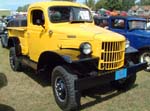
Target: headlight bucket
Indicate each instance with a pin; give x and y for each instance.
(86, 48)
(127, 43)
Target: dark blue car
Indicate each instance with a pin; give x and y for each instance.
(135, 30)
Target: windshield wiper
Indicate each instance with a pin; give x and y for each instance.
(81, 21)
(77, 21)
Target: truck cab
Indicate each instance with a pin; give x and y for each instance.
(61, 39)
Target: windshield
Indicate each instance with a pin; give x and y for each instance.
(68, 14)
(136, 24)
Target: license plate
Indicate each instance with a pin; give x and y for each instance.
(121, 74)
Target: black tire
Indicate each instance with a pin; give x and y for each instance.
(124, 84)
(14, 60)
(145, 57)
(3, 41)
(66, 98)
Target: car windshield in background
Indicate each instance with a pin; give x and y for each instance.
(136, 24)
(69, 14)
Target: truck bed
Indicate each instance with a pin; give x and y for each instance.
(16, 31)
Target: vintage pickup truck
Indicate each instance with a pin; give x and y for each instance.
(61, 39)
(134, 29)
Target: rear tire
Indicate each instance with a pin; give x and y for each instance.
(63, 84)
(14, 60)
(2, 44)
(124, 84)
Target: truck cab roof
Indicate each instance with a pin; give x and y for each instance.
(56, 3)
(129, 18)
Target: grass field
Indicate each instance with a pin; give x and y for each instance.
(27, 92)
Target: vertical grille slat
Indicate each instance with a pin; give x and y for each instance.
(112, 56)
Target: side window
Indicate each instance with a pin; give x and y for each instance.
(24, 23)
(118, 23)
(104, 23)
(37, 17)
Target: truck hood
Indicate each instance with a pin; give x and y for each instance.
(85, 31)
(144, 33)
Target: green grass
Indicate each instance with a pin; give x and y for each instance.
(27, 92)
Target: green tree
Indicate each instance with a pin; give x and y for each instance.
(127, 4)
(114, 4)
(90, 3)
(100, 4)
(23, 8)
(65, 0)
(145, 2)
(109, 4)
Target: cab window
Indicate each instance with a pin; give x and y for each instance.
(118, 23)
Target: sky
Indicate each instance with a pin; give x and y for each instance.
(13, 4)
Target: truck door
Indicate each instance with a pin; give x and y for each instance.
(35, 33)
(118, 25)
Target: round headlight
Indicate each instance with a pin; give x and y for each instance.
(86, 48)
(127, 43)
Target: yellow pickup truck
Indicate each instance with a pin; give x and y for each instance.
(61, 39)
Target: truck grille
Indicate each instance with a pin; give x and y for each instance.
(112, 56)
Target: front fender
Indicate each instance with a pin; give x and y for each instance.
(131, 54)
(147, 47)
(63, 56)
(74, 56)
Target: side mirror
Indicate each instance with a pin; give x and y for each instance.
(40, 22)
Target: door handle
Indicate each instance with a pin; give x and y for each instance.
(28, 34)
(50, 32)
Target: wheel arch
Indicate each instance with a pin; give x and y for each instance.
(14, 42)
(49, 60)
(144, 48)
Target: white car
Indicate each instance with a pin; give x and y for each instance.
(2, 26)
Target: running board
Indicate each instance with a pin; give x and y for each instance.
(29, 63)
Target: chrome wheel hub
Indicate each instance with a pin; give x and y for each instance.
(60, 89)
(145, 57)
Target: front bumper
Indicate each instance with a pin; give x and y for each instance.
(89, 82)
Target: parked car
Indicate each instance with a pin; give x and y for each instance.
(19, 22)
(2, 26)
(135, 30)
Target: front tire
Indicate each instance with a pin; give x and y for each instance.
(124, 84)
(14, 60)
(145, 57)
(63, 84)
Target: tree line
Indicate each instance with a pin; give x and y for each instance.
(107, 4)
